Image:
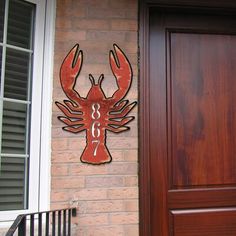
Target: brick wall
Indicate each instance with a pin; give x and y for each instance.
(106, 195)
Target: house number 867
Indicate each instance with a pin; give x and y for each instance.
(95, 126)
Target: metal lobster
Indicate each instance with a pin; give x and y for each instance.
(96, 113)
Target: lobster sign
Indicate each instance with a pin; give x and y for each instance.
(96, 114)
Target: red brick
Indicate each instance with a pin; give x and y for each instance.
(131, 230)
(59, 170)
(78, 10)
(77, 143)
(124, 4)
(122, 193)
(64, 4)
(56, 122)
(66, 157)
(60, 196)
(63, 47)
(117, 156)
(83, 169)
(131, 14)
(59, 144)
(93, 219)
(103, 35)
(77, 35)
(103, 13)
(131, 205)
(80, 231)
(104, 206)
(131, 155)
(59, 205)
(63, 23)
(92, 58)
(58, 131)
(124, 218)
(90, 194)
(58, 95)
(106, 181)
(91, 3)
(90, 24)
(68, 183)
(96, 69)
(131, 181)
(123, 168)
(91, 47)
(131, 36)
(120, 24)
(131, 48)
(105, 231)
(124, 143)
(133, 61)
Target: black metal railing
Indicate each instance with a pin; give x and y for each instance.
(56, 222)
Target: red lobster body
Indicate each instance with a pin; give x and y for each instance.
(96, 113)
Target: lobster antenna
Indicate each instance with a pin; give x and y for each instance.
(100, 79)
(91, 79)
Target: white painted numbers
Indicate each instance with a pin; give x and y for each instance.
(95, 126)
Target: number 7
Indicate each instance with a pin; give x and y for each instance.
(96, 147)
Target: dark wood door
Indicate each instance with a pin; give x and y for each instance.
(192, 123)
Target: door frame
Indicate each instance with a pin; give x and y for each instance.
(145, 6)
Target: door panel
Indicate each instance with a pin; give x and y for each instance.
(203, 114)
(202, 197)
(204, 222)
(192, 134)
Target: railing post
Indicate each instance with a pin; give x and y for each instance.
(53, 223)
(74, 212)
(22, 227)
(32, 225)
(64, 222)
(47, 224)
(40, 223)
(59, 223)
(62, 217)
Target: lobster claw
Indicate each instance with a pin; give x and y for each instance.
(122, 71)
(69, 72)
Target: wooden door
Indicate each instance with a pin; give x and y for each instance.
(191, 123)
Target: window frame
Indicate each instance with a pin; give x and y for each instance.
(40, 126)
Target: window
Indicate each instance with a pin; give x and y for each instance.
(22, 103)
(17, 51)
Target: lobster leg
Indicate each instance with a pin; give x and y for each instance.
(120, 106)
(117, 130)
(74, 129)
(73, 107)
(67, 112)
(124, 112)
(69, 122)
(122, 122)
